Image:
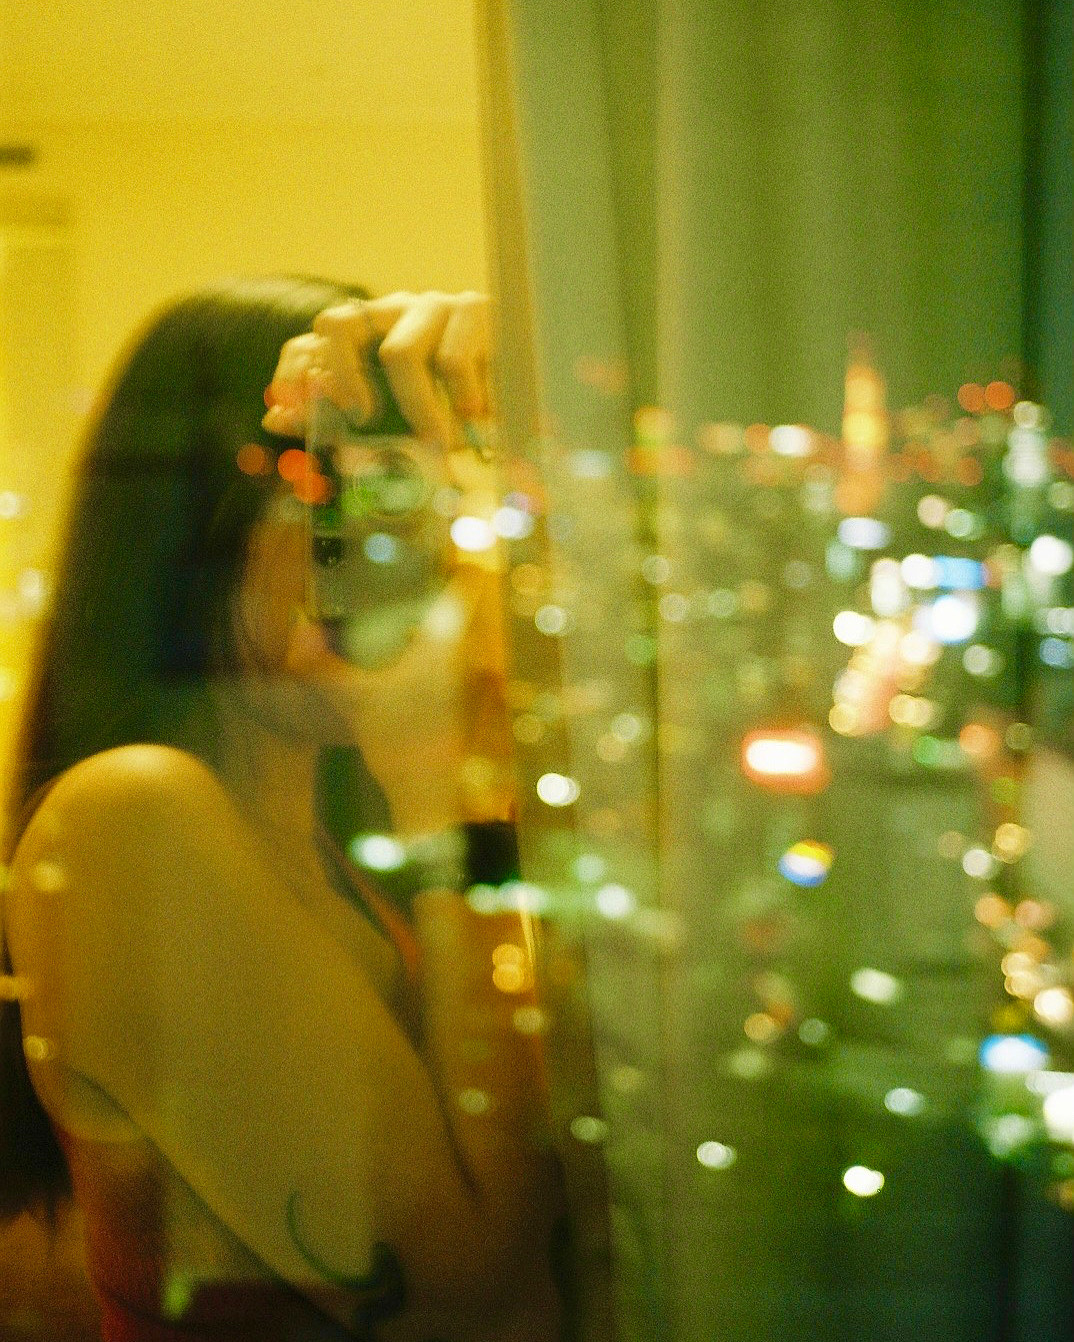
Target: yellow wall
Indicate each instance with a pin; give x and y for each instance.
(119, 215)
(160, 207)
(116, 217)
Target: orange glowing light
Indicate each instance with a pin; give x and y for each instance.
(969, 471)
(979, 741)
(971, 397)
(252, 459)
(667, 459)
(999, 396)
(313, 489)
(653, 424)
(786, 761)
(293, 464)
(1034, 914)
(756, 437)
(992, 911)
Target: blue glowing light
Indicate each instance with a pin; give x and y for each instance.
(1012, 1054)
(806, 864)
(1057, 652)
(957, 573)
(380, 548)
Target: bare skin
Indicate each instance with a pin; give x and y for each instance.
(216, 1028)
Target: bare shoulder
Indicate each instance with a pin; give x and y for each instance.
(123, 835)
(129, 795)
(139, 775)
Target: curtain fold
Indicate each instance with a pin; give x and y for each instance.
(767, 996)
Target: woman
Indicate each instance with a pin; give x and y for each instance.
(286, 1112)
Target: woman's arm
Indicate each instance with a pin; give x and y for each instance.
(179, 975)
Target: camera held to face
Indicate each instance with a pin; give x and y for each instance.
(380, 511)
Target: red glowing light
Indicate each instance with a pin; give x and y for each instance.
(785, 761)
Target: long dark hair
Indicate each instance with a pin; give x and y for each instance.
(161, 514)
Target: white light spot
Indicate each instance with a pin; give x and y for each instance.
(1012, 1054)
(445, 618)
(473, 534)
(862, 1181)
(716, 1155)
(853, 628)
(38, 1049)
(615, 901)
(814, 1032)
(11, 504)
(951, 618)
(864, 533)
(513, 524)
(722, 603)
(591, 464)
(588, 1130)
(484, 899)
(887, 590)
(1008, 1132)
(932, 510)
(589, 867)
(918, 649)
(32, 588)
(749, 1064)
(791, 440)
(1051, 556)
(980, 660)
(1027, 415)
(673, 607)
(979, 863)
(551, 620)
(776, 756)
(960, 523)
(557, 789)
(48, 876)
(475, 1102)
(904, 1101)
(378, 852)
(873, 985)
(524, 896)
(655, 569)
(1026, 463)
(628, 727)
(919, 572)
(529, 1020)
(1058, 1110)
(1054, 1006)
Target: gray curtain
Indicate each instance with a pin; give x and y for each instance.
(695, 205)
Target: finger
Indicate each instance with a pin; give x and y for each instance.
(288, 394)
(406, 354)
(462, 357)
(350, 338)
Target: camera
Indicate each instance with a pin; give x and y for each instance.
(380, 509)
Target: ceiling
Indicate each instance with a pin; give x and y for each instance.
(203, 59)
